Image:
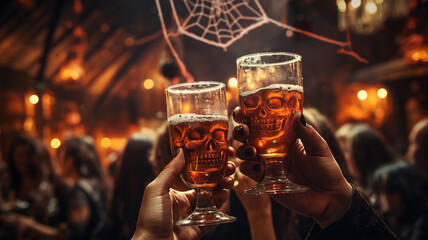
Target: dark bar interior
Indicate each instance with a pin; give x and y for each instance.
(83, 116)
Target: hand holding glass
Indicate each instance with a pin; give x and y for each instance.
(270, 93)
(197, 123)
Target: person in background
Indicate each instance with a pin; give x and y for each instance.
(82, 185)
(399, 193)
(366, 150)
(417, 153)
(135, 173)
(29, 196)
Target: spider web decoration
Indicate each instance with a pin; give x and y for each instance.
(222, 22)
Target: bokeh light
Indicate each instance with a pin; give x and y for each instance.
(55, 143)
(371, 7)
(362, 94)
(382, 93)
(34, 99)
(341, 5)
(106, 142)
(148, 84)
(355, 3)
(233, 82)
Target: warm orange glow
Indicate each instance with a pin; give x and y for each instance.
(233, 82)
(105, 142)
(55, 143)
(186, 108)
(73, 71)
(381, 93)
(129, 41)
(228, 96)
(261, 75)
(148, 84)
(34, 99)
(362, 95)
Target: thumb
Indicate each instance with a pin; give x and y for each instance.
(171, 172)
(314, 144)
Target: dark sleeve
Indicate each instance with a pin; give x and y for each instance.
(361, 221)
(78, 198)
(77, 230)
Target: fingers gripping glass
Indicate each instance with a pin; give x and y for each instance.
(270, 93)
(197, 123)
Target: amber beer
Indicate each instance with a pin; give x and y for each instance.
(204, 142)
(268, 112)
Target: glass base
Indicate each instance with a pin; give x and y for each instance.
(206, 217)
(276, 186)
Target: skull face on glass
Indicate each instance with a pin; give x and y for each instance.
(205, 146)
(268, 113)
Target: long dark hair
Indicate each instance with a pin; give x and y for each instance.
(40, 168)
(135, 174)
(367, 148)
(85, 160)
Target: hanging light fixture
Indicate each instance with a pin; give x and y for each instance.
(414, 38)
(368, 16)
(72, 71)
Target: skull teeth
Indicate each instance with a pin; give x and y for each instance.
(206, 156)
(264, 121)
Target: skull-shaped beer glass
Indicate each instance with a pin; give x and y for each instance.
(197, 123)
(270, 93)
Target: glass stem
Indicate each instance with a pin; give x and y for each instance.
(274, 168)
(204, 199)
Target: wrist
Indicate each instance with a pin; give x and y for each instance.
(336, 207)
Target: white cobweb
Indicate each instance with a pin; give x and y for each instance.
(222, 22)
(219, 22)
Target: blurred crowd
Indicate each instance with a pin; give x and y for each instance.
(72, 196)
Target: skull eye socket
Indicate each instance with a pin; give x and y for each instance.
(293, 103)
(220, 135)
(177, 135)
(251, 102)
(276, 103)
(196, 134)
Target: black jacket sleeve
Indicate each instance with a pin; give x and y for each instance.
(361, 221)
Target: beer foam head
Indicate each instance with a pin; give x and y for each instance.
(276, 87)
(192, 117)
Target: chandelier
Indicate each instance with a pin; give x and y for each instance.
(367, 16)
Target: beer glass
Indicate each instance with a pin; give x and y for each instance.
(198, 123)
(270, 93)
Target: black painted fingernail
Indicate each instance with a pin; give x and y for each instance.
(240, 130)
(256, 167)
(233, 114)
(303, 120)
(249, 152)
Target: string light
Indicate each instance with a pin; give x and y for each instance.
(362, 95)
(371, 7)
(233, 82)
(341, 5)
(106, 142)
(382, 93)
(55, 143)
(34, 99)
(148, 84)
(355, 3)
